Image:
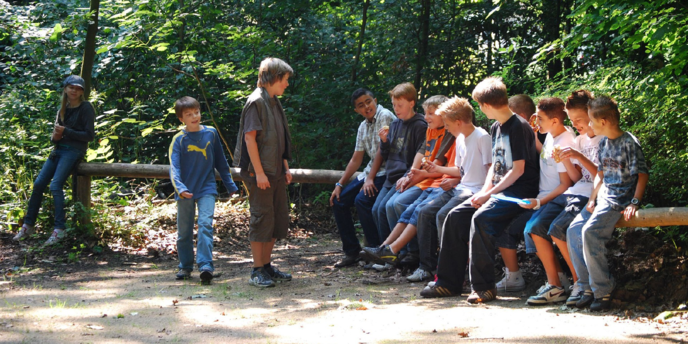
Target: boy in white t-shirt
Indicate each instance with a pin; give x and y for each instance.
(554, 181)
(473, 159)
(549, 224)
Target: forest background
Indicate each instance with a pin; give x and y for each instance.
(148, 53)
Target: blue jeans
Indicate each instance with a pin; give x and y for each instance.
(380, 214)
(586, 239)
(186, 209)
(352, 195)
(410, 215)
(489, 222)
(396, 205)
(57, 168)
(554, 218)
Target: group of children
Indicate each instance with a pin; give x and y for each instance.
(454, 193)
(438, 192)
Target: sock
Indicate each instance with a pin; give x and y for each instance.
(268, 267)
(255, 269)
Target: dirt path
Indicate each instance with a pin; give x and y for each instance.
(133, 299)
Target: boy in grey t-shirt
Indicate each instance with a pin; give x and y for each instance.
(619, 186)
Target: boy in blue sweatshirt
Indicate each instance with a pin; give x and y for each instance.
(195, 153)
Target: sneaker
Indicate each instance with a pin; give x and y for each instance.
(431, 284)
(369, 253)
(381, 268)
(346, 261)
(482, 296)
(57, 235)
(602, 303)
(381, 254)
(564, 280)
(549, 294)
(419, 275)
(411, 259)
(512, 281)
(276, 275)
(206, 276)
(576, 295)
(24, 232)
(261, 279)
(436, 291)
(369, 266)
(183, 274)
(586, 299)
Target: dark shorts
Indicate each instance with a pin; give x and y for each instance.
(269, 210)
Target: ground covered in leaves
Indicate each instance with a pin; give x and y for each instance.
(129, 294)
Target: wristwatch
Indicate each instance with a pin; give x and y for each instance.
(339, 184)
(635, 201)
(536, 207)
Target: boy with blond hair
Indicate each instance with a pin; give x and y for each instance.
(195, 154)
(622, 175)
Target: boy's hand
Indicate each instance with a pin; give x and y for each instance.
(335, 194)
(288, 177)
(532, 203)
(568, 153)
(57, 133)
(591, 206)
(629, 212)
(479, 199)
(369, 188)
(383, 134)
(186, 194)
(262, 181)
(400, 183)
(449, 183)
(430, 166)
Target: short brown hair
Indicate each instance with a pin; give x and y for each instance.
(406, 91)
(579, 100)
(604, 107)
(491, 91)
(553, 108)
(457, 109)
(435, 101)
(272, 70)
(522, 105)
(184, 103)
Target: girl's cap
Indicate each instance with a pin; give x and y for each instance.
(74, 80)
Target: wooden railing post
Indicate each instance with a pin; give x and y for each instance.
(83, 195)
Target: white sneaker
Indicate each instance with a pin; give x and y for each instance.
(512, 281)
(549, 294)
(380, 267)
(419, 275)
(57, 235)
(564, 280)
(24, 232)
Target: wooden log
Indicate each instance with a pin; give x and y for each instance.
(653, 217)
(163, 172)
(83, 194)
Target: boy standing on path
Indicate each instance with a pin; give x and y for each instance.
(344, 196)
(622, 175)
(195, 154)
(262, 152)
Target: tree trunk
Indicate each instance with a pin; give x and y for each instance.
(551, 29)
(90, 50)
(423, 43)
(360, 40)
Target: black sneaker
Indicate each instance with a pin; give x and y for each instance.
(276, 275)
(346, 261)
(206, 276)
(575, 296)
(601, 304)
(261, 279)
(383, 254)
(586, 299)
(183, 274)
(371, 254)
(411, 259)
(436, 291)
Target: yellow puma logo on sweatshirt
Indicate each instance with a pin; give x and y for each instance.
(193, 148)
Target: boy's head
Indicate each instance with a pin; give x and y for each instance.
(577, 109)
(430, 106)
(522, 105)
(273, 70)
(188, 110)
(604, 115)
(550, 114)
(404, 100)
(490, 92)
(456, 113)
(364, 103)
